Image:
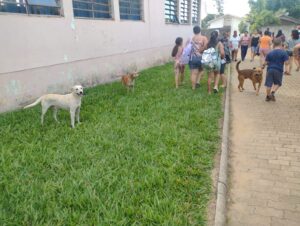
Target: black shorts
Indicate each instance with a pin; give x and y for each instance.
(273, 77)
(222, 69)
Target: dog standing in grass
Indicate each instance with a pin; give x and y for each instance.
(255, 75)
(70, 102)
(128, 80)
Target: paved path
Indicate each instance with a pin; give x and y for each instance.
(264, 155)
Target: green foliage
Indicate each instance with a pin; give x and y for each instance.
(267, 12)
(204, 22)
(262, 14)
(243, 26)
(142, 158)
(292, 7)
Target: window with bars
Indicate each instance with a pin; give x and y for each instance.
(185, 11)
(195, 11)
(95, 9)
(130, 9)
(39, 7)
(171, 11)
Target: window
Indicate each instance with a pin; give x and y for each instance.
(40, 7)
(130, 9)
(171, 11)
(195, 11)
(97, 9)
(185, 11)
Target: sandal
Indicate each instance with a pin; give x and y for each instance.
(287, 73)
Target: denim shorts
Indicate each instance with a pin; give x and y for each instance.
(273, 77)
(254, 49)
(195, 63)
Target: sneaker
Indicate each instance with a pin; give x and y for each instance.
(216, 90)
(197, 85)
(268, 98)
(273, 96)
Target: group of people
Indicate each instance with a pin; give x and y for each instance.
(261, 44)
(192, 53)
(276, 51)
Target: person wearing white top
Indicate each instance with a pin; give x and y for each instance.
(234, 45)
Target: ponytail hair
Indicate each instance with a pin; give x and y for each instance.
(178, 42)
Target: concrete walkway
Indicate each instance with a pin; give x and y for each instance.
(264, 164)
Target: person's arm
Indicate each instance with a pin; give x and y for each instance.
(221, 49)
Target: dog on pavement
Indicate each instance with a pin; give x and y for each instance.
(70, 102)
(128, 80)
(255, 75)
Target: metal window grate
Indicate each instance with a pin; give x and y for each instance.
(171, 11)
(195, 11)
(185, 11)
(95, 9)
(40, 7)
(130, 9)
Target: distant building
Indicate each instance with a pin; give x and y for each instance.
(49, 45)
(287, 24)
(226, 21)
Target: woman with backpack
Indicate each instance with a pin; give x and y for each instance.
(198, 45)
(212, 58)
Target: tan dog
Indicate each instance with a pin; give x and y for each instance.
(255, 75)
(70, 102)
(128, 80)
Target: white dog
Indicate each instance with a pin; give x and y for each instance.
(71, 102)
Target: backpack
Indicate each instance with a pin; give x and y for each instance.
(210, 59)
(186, 54)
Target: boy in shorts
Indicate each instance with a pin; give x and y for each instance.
(275, 60)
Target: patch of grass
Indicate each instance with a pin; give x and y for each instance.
(143, 158)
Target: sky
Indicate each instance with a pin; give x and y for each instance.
(233, 7)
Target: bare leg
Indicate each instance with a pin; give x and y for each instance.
(217, 78)
(177, 77)
(210, 77)
(290, 65)
(194, 76)
(224, 80)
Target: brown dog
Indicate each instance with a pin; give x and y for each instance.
(255, 75)
(128, 80)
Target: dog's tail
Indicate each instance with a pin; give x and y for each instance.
(237, 66)
(33, 104)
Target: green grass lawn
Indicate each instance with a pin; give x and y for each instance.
(143, 158)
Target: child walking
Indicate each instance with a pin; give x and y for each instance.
(178, 66)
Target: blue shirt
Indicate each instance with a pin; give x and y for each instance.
(276, 59)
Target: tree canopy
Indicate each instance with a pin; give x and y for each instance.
(267, 12)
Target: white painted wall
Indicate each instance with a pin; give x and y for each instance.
(218, 23)
(235, 25)
(43, 54)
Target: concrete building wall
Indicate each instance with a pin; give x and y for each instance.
(286, 29)
(235, 25)
(218, 23)
(49, 54)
